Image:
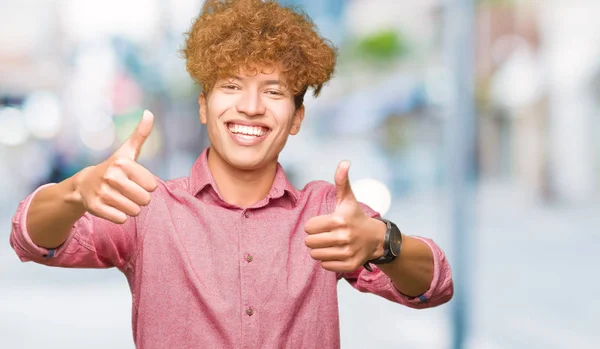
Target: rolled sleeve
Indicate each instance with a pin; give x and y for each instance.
(92, 243)
(377, 282)
(441, 288)
(20, 240)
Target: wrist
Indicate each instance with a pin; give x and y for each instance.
(379, 228)
(71, 190)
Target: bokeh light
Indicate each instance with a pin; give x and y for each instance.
(12, 127)
(373, 193)
(98, 140)
(42, 114)
(35, 165)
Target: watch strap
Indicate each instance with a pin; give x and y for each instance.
(387, 257)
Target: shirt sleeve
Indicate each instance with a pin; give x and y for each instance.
(377, 282)
(93, 242)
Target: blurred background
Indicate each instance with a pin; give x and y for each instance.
(475, 123)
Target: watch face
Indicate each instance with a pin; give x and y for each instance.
(395, 241)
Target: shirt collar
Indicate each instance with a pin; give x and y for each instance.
(201, 177)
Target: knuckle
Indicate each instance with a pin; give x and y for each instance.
(344, 238)
(109, 176)
(93, 206)
(103, 193)
(121, 161)
(347, 252)
(339, 220)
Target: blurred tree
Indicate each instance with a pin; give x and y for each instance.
(383, 46)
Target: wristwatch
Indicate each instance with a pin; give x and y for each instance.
(391, 246)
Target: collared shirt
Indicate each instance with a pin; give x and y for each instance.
(207, 274)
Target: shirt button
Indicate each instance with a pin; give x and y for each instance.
(247, 214)
(249, 258)
(250, 311)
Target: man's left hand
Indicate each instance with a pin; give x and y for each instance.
(344, 240)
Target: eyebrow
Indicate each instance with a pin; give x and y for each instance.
(271, 82)
(266, 82)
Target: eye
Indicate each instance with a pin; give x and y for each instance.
(230, 87)
(274, 92)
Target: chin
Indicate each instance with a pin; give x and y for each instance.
(247, 162)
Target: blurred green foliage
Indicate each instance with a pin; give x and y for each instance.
(382, 46)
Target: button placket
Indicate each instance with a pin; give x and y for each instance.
(248, 258)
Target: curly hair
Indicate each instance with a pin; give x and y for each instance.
(230, 36)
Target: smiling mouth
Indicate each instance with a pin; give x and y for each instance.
(246, 131)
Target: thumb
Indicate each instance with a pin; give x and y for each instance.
(343, 191)
(133, 145)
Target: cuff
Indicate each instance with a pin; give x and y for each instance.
(20, 240)
(425, 297)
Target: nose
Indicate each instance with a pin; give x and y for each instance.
(250, 103)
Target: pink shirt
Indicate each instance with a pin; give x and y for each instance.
(206, 274)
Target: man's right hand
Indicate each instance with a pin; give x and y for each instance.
(118, 187)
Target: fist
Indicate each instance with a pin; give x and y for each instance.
(119, 187)
(344, 240)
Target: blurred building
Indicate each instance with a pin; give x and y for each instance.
(536, 97)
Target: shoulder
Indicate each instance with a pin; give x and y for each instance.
(162, 197)
(165, 187)
(325, 193)
(177, 183)
(318, 186)
(321, 192)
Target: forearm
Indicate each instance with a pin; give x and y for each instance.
(52, 213)
(412, 271)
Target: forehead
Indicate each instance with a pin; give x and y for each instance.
(258, 74)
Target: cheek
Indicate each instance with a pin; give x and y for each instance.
(212, 122)
(284, 117)
(219, 105)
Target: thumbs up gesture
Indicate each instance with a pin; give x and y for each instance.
(344, 240)
(119, 186)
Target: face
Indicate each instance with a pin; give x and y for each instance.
(249, 118)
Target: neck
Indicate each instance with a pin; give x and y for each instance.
(240, 187)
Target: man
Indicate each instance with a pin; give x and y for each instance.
(233, 256)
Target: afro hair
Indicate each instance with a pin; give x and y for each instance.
(231, 36)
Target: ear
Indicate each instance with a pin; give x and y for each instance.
(202, 110)
(297, 120)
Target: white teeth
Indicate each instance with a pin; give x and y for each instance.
(256, 131)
